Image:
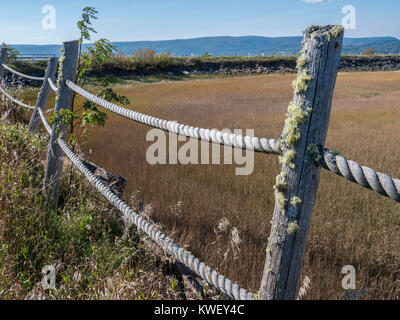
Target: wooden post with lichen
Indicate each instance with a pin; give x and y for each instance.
(296, 186)
(43, 94)
(3, 60)
(67, 71)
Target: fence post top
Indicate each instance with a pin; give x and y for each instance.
(70, 42)
(334, 30)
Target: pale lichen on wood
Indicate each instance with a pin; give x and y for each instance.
(60, 71)
(295, 201)
(292, 228)
(301, 62)
(300, 85)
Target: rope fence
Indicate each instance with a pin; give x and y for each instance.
(200, 268)
(331, 161)
(211, 276)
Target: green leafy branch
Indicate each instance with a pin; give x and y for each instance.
(90, 59)
(84, 25)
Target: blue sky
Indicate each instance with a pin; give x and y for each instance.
(132, 20)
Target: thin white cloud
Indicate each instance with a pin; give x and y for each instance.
(313, 1)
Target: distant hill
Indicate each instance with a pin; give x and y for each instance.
(232, 46)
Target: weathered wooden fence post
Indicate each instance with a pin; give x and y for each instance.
(44, 94)
(3, 59)
(296, 186)
(67, 71)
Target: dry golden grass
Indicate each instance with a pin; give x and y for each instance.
(351, 225)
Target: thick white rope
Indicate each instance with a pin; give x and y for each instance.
(231, 140)
(200, 268)
(22, 74)
(52, 85)
(44, 121)
(21, 104)
(364, 176)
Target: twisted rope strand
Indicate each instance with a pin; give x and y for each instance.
(20, 103)
(44, 121)
(22, 74)
(263, 145)
(52, 85)
(200, 268)
(364, 176)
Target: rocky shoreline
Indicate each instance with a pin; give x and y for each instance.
(347, 64)
(253, 66)
(227, 67)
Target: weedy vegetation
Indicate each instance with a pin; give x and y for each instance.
(93, 257)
